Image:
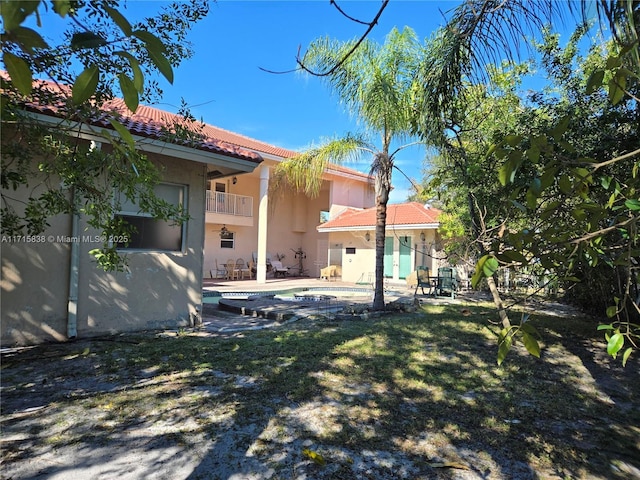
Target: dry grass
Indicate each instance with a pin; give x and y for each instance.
(410, 396)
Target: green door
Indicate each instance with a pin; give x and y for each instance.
(388, 257)
(405, 257)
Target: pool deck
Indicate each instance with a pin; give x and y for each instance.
(237, 315)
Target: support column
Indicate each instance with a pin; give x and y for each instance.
(261, 267)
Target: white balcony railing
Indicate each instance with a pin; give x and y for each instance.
(229, 204)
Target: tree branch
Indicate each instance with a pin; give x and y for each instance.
(300, 61)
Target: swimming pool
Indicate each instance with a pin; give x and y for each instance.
(212, 296)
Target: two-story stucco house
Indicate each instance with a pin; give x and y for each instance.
(246, 219)
(53, 290)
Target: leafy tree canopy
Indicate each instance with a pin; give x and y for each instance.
(100, 55)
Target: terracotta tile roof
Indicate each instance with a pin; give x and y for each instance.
(147, 122)
(263, 147)
(412, 214)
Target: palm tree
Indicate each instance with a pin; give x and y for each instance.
(376, 83)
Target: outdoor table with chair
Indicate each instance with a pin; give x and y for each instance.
(446, 283)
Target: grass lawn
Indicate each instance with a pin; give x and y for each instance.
(416, 396)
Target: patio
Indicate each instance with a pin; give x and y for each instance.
(247, 305)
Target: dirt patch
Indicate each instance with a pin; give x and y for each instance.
(415, 396)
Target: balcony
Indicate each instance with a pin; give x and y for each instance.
(229, 208)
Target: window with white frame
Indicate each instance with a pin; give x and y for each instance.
(151, 233)
(227, 239)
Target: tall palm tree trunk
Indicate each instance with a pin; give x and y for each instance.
(381, 223)
(382, 188)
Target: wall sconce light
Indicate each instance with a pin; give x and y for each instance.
(234, 180)
(367, 236)
(422, 236)
(223, 231)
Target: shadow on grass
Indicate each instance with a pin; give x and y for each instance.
(414, 396)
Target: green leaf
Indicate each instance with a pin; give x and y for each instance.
(150, 40)
(519, 206)
(579, 214)
(528, 328)
(531, 344)
(632, 204)
(62, 7)
(491, 149)
(28, 39)
(504, 345)
(123, 132)
(129, 92)
(616, 89)
(565, 184)
(513, 140)
(606, 327)
(138, 77)
(615, 343)
(533, 154)
(567, 146)
(507, 172)
(612, 311)
(85, 85)
(538, 141)
(14, 13)
(19, 72)
(613, 62)
(490, 266)
(82, 40)
(515, 256)
(626, 355)
(119, 20)
(595, 81)
(161, 63)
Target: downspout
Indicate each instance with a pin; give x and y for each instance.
(74, 264)
(72, 306)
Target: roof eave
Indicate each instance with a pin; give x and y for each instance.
(361, 228)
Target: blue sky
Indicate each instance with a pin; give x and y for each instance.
(223, 84)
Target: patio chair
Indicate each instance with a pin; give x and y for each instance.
(254, 256)
(423, 280)
(219, 272)
(242, 269)
(328, 272)
(232, 271)
(278, 269)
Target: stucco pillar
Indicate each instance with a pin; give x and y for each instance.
(434, 263)
(261, 267)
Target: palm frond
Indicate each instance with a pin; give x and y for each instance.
(304, 172)
(377, 81)
(479, 32)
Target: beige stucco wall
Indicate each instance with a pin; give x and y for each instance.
(360, 267)
(159, 289)
(292, 221)
(349, 193)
